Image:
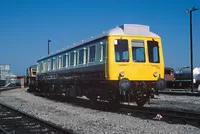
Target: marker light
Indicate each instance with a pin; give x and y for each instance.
(155, 74)
(122, 73)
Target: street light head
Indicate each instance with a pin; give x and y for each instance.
(49, 40)
(194, 9)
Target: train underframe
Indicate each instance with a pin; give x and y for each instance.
(139, 92)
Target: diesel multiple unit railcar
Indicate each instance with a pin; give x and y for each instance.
(124, 64)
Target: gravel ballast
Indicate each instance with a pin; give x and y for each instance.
(87, 121)
(186, 103)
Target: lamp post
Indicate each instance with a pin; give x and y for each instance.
(191, 47)
(48, 47)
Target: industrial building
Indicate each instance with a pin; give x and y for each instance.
(5, 75)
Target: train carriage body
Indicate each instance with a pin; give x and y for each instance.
(121, 65)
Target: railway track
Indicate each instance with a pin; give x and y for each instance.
(7, 88)
(167, 115)
(180, 93)
(13, 121)
(171, 116)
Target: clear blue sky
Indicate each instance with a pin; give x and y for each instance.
(26, 25)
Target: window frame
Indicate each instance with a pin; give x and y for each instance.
(71, 53)
(81, 50)
(54, 63)
(64, 60)
(67, 60)
(89, 49)
(103, 50)
(123, 60)
(158, 52)
(49, 64)
(75, 58)
(144, 48)
(59, 62)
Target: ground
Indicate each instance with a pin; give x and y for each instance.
(85, 120)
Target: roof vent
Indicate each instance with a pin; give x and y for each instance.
(135, 29)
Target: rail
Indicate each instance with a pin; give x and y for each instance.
(152, 113)
(181, 93)
(168, 115)
(15, 121)
(8, 88)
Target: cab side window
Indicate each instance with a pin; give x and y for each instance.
(121, 50)
(153, 52)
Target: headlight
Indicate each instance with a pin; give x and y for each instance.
(122, 73)
(155, 74)
(124, 84)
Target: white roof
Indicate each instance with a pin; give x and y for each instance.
(132, 29)
(126, 29)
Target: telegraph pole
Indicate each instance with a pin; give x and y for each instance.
(191, 45)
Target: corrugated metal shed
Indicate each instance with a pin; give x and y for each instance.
(4, 71)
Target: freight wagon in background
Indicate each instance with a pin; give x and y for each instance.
(181, 77)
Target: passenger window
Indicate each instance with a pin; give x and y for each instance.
(103, 51)
(64, 61)
(72, 59)
(92, 54)
(86, 56)
(46, 65)
(41, 66)
(138, 52)
(121, 50)
(56, 63)
(75, 58)
(153, 51)
(67, 60)
(52, 64)
(49, 64)
(58, 59)
(81, 54)
(59, 62)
